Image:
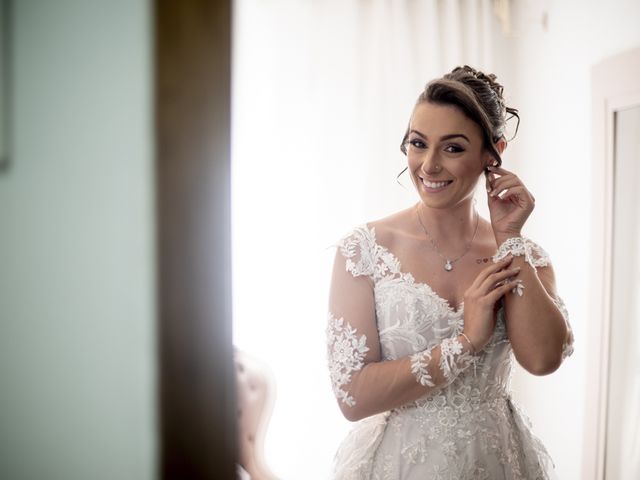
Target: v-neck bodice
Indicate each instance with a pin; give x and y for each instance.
(408, 276)
(410, 315)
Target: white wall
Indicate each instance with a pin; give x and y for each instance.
(552, 154)
(76, 259)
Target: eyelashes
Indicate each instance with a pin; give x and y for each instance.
(421, 145)
(454, 148)
(417, 143)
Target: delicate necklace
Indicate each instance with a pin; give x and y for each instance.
(448, 266)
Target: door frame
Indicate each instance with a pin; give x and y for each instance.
(196, 385)
(614, 87)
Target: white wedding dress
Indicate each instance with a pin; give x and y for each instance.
(385, 330)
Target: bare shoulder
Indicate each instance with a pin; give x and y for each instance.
(392, 228)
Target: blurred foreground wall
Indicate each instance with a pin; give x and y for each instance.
(77, 339)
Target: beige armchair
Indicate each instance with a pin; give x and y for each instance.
(256, 396)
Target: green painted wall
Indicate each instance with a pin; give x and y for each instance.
(77, 337)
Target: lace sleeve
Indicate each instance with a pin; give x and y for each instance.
(346, 354)
(362, 382)
(359, 251)
(536, 256)
(453, 360)
(567, 346)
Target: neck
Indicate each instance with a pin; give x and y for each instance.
(452, 226)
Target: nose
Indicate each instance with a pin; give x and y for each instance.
(430, 163)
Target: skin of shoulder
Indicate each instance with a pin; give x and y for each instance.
(388, 229)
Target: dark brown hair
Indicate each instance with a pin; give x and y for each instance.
(478, 96)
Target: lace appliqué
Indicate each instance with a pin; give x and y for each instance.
(364, 257)
(533, 253)
(358, 250)
(416, 452)
(345, 354)
(453, 359)
(519, 288)
(567, 346)
(420, 368)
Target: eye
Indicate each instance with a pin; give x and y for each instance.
(417, 143)
(453, 148)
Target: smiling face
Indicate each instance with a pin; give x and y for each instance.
(445, 153)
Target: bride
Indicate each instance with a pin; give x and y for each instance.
(429, 307)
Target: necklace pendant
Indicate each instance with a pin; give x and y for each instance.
(448, 266)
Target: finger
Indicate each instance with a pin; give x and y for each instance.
(505, 179)
(520, 192)
(495, 279)
(503, 183)
(499, 170)
(489, 183)
(498, 292)
(485, 272)
(498, 279)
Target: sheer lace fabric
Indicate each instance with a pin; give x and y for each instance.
(393, 346)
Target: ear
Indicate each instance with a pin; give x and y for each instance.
(489, 159)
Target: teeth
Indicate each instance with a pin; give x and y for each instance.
(434, 184)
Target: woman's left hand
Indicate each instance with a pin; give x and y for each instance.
(509, 211)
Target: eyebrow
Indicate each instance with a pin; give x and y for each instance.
(445, 137)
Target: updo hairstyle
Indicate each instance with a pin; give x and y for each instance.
(478, 96)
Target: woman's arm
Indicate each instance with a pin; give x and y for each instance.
(537, 322)
(536, 326)
(364, 384)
